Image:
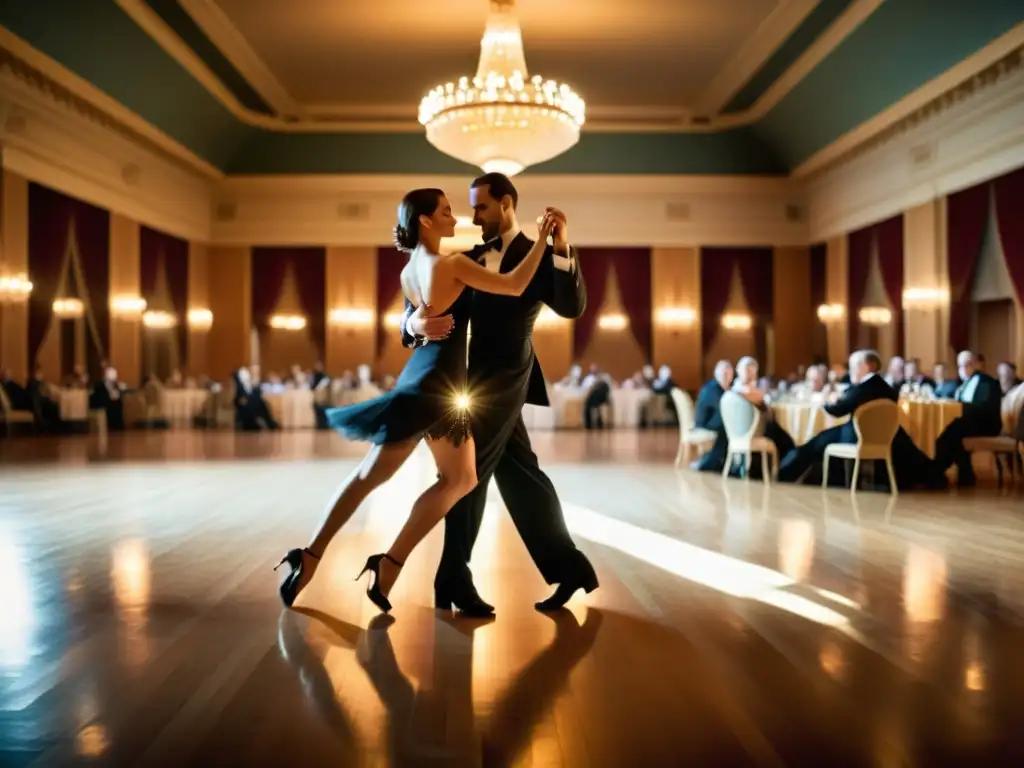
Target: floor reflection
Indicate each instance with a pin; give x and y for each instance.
(434, 722)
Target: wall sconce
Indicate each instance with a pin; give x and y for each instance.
(831, 313)
(393, 320)
(547, 318)
(157, 320)
(287, 322)
(737, 321)
(876, 316)
(676, 317)
(68, 309)
(127, 307)
(200, 319)
(351, 317)
(614, 322)
(925, 298)
(14, 288)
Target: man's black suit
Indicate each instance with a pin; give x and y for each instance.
(910, 464)
(981, 417)
(504, 375)
(706, 415)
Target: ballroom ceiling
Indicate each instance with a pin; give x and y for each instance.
(672, 86)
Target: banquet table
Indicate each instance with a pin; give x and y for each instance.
(566, 409)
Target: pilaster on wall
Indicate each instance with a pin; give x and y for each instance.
(125, 276)
(675, 284)
(837, 292)
(229, 273)
(351, 284)
(794, 315)
(926, 328)
(14, 234)
(198, 363)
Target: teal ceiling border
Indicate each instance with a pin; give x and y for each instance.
(809, 30)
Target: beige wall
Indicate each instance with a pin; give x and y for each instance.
(836, 292)
(351, 283)
(793, 314)
(198, 363)
(675, 282)
(926, 329)
(14, 241)
(229, 275)
(125, 333)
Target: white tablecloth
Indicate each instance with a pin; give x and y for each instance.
(180, 406)
(74, 404)
(292, 409)
(566, 411)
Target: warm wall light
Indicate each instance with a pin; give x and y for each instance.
(200, 319)
(737, 321)
(676, 317)
(393, 320)
(156, 319)
(14, 288)
(127, 307)
(548, 319)
(875, 316)
(351, 317)
(614, 322)
(68, 309)
(287, 322)
(925, 298)
(831, 313)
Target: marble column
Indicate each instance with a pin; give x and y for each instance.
(675, 285)
(14, 241)
(926, 324)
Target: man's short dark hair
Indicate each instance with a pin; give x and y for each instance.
(498, 185)
(873, 361)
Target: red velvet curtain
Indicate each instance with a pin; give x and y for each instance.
(966, 217)
(153, 244)
(51, 215)
(1009, 199)
(889, 236)
(308, 265)
(717, 266)
(633, 270)
(858, 270)
(757, 275)
(595, 263)
(268, 271)
(390, 263)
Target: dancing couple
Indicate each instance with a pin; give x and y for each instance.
(469, 414)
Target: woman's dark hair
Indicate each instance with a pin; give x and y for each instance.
(418, 202)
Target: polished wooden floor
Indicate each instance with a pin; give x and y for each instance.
(735, 625)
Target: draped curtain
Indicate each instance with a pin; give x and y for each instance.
(633, 270)
(717, 266)
(153, 244)
(757, 275)
(889, 237)
(858, 271)
(1009, 200)
(308, 265)
(53, 220)
(390, 263)
(596, 264)
(966, 217)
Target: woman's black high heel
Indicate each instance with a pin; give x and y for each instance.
(373, 589)
(289, 588)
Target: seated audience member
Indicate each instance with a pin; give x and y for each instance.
(45, 403)
(250, 408)
(897, 373)
(648, 376)
(661, 387)
(17, 395)
(911, 466)
(575, 377)
(981, 399)
(915, 377)
(598, 388)
(706, 415)
(107, 395)
(1007, 373)
(320, 383)
(944, 389)
(746, 385)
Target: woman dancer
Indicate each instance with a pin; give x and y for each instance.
(429, 399)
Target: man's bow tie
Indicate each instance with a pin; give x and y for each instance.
(492, 245)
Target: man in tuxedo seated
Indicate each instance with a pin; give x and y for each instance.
(981, 398)
(747, 385)
(911, 466)
(706, 415)
(599, 392)
(914, 376)
(106, 395)
(250, 407)
(896, 376)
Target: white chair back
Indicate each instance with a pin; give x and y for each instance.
(876, 424)
(684, 409)
(739, 417)
(5, 402)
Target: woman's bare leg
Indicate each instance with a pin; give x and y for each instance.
(373, 471)
(456, 468)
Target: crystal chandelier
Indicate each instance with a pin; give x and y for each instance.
(502, 120)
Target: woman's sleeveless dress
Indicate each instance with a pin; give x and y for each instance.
(429, 399)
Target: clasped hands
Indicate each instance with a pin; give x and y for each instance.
(421, 324)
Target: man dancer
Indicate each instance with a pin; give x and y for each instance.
(504, 375)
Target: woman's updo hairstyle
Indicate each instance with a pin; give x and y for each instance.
(418, 202)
